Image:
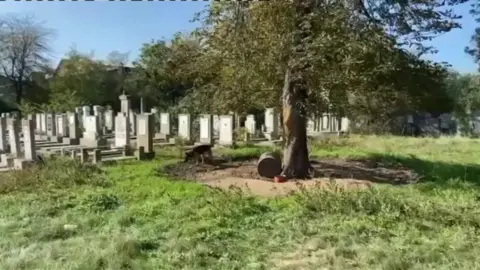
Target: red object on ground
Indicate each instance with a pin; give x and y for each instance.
(279, 179)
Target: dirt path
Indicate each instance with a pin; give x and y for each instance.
(329, 173)
(267, 188)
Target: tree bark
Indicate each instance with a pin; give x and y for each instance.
(296, 163)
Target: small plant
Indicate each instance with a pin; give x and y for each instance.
(102, 202)
(180, 143)
(242, 134)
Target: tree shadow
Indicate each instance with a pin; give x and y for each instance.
(397, 170)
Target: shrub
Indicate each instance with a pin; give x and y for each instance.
(56, 173)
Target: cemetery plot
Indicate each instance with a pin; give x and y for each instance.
(351, 173)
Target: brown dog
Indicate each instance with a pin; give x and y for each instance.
(199, 151)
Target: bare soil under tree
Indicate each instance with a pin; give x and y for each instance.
(329, 173)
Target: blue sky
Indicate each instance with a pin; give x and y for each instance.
(103, 27)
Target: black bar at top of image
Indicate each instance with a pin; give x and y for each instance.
(112, 0)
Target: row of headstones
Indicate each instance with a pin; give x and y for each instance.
(227, 123)
(11, 145)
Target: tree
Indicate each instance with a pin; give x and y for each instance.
(164, 72)
(474, 48)
(24, 47)
(117, 59)
(324, 49)
(81, 80)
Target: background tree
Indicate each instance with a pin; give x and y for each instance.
(321, 54)
(163, 72)
(117, 59)
(24, 48)
(81, 81)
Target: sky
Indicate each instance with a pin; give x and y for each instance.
(103, 27)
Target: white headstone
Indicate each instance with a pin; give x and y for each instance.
(122, 133)
(62, 127)
(184, 126)
(28, 140)
(91, 128)
(345, 124)
(133, 122)
(250, 124)
(206, 128)
(271, 121)
(43, 125)
(165, 123)
(109, 121)
(3, 134)
(13, 137)
(38, 123)
(226, 130)
(142, 127)
(216, 125)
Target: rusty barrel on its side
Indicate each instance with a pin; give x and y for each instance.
(269, 165)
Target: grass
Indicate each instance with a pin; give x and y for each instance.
(125, 216)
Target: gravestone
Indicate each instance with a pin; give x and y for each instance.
(145, 136)
(216, 126)
(124, 104)
(345, 124)
(165, 123)
(109, 121)
(29, 152)
(156, 120)
(3, 135)
(38, 123)
(79, 112)
(446, 123)
(133, 122)
(13, 137)
(250, 124)
(325, 122)
(271, 124)
(51, 126)
(184, 127)
(85, 113)
(62, 125)
(91, 136)
(206, 128)
(98, 112)
(73, 129)
(226, 130)
(43, 120)
(122, 130)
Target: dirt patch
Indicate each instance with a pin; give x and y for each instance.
(338, 173)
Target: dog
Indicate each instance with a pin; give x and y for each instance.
(199, 151)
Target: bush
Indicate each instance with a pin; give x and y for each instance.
(56, 173)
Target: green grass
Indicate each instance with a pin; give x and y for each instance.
(128, 217)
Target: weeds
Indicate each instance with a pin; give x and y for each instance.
(129, 217)
(57, 173)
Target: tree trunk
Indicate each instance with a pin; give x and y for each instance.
(296, 163)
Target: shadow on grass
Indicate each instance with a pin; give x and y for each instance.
(399, 169)
(436, 173)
